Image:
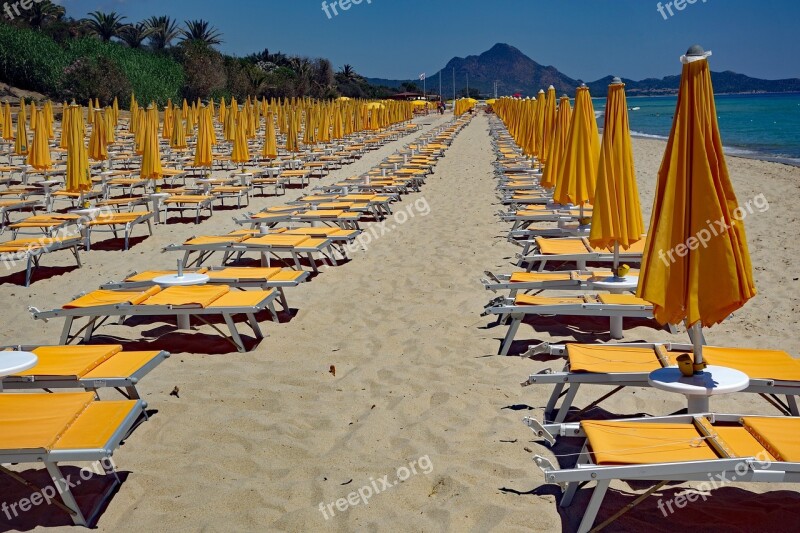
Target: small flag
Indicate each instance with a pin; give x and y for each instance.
(422, 77)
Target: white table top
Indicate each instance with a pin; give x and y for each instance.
(186, 280)
(712, 381)
(12, 363)
(611, 283)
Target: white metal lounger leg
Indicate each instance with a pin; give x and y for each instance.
(567, 403)
(572, 486)
(792, 402)
(251, 318)
(556, 394)
(512, 331)
(66, 494)
(66, 330)
(237, 339)
(594, 506)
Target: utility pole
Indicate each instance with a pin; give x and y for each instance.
(441, 97)
(454, 87)
(468, 85)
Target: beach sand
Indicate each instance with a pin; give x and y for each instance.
(257, 441)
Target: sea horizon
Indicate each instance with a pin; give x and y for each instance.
(756, 126)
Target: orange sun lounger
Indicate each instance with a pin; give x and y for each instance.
(65, 427)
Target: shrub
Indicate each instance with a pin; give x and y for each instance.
(30, 60)
(95, 78)
(153, 77)
(205, 71)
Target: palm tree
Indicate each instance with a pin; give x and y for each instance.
(349, 73)
(43, 13)
(165, 30)
(134, 34)
(201, 31)
(105, 25)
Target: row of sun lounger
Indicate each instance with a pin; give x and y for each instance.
(660, 449)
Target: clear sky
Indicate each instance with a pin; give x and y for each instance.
(585, 39)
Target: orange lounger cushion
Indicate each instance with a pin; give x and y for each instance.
(622, 299)
(607, 359)
(244, 273)
(106, 297)
(215, 239)
(533, 277)
(279, 241)
(241, 299)
(70, 360)
(95, 426)
(37, 421)
(632, 443)
(758, 364)
(150, 275)
(188, 297)
(780, 436)
(561, 246)
(524, 299)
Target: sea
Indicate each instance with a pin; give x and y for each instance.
(762, 126)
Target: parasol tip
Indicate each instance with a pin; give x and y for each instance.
(695, 51)
(616, 81)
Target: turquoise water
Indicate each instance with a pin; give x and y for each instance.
(759, 126)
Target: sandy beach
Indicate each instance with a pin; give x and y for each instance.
(269, 440)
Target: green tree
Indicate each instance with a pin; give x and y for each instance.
(106, 26)
(164, 31)
(201, 31)
(134, 35)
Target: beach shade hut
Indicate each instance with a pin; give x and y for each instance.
(178, 139)
(576, 177)
(21, 140)
(203, 156)
(270, 150)
(151, 148)
(617, 215)
(692, 270)
(558, 142)
(241, 151)
(8, 124)
(39, 153)
(98, 150)
(111, 137)
(78, 178)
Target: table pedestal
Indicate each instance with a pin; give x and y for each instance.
(186, 280)
(616, 285)
(714, 380)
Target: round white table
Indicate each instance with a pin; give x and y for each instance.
(615, 285)
(714, 380)
(186, 280)
(12, 363)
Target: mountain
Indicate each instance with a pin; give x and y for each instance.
(517, 73)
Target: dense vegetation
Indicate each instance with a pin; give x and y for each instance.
(104, 56)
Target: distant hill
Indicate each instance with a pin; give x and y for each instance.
(517, 73)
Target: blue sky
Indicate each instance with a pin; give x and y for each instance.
(585, 39)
